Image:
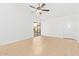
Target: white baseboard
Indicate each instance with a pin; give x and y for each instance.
(9, 42)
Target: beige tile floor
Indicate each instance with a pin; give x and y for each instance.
(42, 46)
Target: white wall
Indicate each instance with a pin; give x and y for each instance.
(16, 21)
(60, 27)
(62, 21)
(77, 33)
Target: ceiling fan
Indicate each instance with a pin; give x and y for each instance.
(39, 8)
(37, 22)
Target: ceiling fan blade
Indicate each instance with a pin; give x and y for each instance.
(38, 7)
(32, 7)
(42, 5)
(45, 9)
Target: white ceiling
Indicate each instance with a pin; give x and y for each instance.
(57, 8)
